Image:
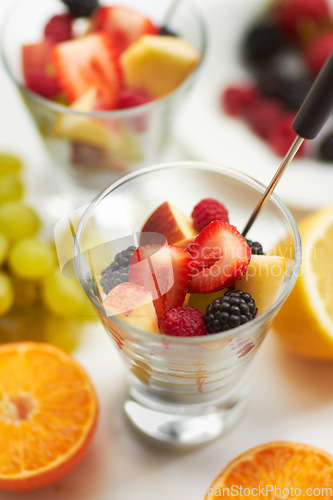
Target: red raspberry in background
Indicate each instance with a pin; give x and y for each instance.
(282, 135)
(129, 98)
(41, 83)
(235, 100)
(263, 115)
(183, 322)
(292, 15)
(318, 51)
(59, 28)
(208, 210)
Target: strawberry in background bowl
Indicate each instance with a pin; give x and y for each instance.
(102, 80)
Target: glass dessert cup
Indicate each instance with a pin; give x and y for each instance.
(95, 148)
(182, 391)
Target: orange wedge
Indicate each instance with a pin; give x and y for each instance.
(48, 414)
(276, 470)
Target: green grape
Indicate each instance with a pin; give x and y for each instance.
(26, 292)
(6, 293)
(11, 188)
(18, 220)
(4, 248)
(63, 296)
(31, 259)
(9, 164)
(62, 332)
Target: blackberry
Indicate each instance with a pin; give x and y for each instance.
(256, 247)
(271, 82)
(295, 91)
(164, 30)
(262, 42)
(326, 148)
(117, 271)
(233, 309)
(81, 8)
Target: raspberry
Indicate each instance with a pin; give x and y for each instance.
(292, 15)
(183, 322)
(282, 135)
(129, 98)
(235, 100)
(117, 271)
(59, 28)
(81, 8)
(318, 51)
(262, 42)
(263, 115)
(41, 83)
(208, 210)
(233, 309)
(326, 148)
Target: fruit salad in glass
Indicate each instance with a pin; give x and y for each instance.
(102, 80)
(187, 299)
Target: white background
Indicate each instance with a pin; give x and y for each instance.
(291, 398)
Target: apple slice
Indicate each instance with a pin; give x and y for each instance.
(169, 221)
(263, 279)
(158, 64)
(132, 304)
(82, 128)
(202, 300)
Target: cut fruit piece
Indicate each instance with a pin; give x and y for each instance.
(305, 322)
(87, 62)
(169, 221)
(81, 128)
(220, 256)
(186, 243)
(48, 414)
(276, 467)
(6, 293)
(263, 279)
(36, 57)
(202, 300)
(165, 271)
(38, 71)
(124, 25)
(132, 304)
(158, 64)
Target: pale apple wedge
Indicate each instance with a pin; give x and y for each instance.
(202, 300)
(82, 128)
(132, 304)
(263, 279)
(169, 221)
(158, 64)
(186, 243)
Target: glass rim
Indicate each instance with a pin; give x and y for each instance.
(197, 165)
(123, 113)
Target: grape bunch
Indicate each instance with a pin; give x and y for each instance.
(36, 301)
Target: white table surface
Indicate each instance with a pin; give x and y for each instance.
(291, 398)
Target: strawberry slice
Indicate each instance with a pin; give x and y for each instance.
(37, 69)
(124, 25)
(220, 256)
(36, 56)
(165, 271)
(88, 62)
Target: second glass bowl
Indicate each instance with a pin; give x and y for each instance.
(100, 146)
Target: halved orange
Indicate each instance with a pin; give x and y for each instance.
(48, 414)
(276, 470)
